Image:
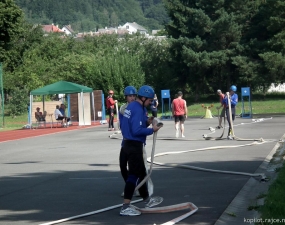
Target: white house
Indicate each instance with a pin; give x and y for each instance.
(67, 30)
(134, 28)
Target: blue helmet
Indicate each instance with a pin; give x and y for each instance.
(233, 88)
(130, 90)
(146, 91)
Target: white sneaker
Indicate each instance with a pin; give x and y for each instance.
(130, 211)
(230, 137)
(153, 201)
(182, 136)
(177, 134)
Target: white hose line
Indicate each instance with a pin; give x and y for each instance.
(205, 136)
(182, 206)
(151, 164)
(88, 214)
(165, 209)
(235, 137)
(114, 134)
(261, 175)
(230, 114)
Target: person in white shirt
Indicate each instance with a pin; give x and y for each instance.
(58, 115)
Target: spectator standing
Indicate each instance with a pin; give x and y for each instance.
(233, 102)
(135, 130)
(179, 112)
(221, 96)
(110, 103)
(153, 106)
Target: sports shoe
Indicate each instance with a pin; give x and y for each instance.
(177, 134)
(182, 136)
(153, 201)
(219, 127)
(230, 137)
(130, 211)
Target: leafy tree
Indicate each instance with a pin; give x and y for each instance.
(18, 102)
(263, 60)
(11, 18)
(205, 35)
(84, 15)
(101, 62)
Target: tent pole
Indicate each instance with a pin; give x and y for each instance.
(93, 105)
(30, 111)
(43, 103)
(68, 105)
(82, 101)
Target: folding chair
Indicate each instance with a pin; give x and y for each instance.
(39, 122)
(58, 121)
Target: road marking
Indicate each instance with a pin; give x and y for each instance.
(92, 178)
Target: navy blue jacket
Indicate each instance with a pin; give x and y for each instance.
(234, 100)
(134, 123)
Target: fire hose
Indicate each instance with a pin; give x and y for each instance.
(165, 209)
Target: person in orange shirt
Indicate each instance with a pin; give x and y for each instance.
(179, 112)
(110, 102)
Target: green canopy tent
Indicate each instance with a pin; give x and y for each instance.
(62, 87)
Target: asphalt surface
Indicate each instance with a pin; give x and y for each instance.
(62, 175)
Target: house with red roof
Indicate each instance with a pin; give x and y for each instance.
(51, 29)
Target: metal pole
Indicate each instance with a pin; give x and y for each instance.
(82, 101)
(2, 95)
(30, 111)
(103, 108)
(93, 105)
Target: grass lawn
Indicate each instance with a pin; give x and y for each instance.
(258, 107)
(274, 206)
(13, 123)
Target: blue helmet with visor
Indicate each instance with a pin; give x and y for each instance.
(130, 90)
(233, 88)
(146, 91)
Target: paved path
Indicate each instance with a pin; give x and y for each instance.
(51, 177)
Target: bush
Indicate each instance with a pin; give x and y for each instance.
(18, 102)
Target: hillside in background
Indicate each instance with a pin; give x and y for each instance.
(90, 15)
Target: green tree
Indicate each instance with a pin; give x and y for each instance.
(262, 62)
(18, 102)
(205, 35)
(11, 18)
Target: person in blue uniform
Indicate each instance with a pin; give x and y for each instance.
(234, 101)
(135, 128)
(130, 94)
